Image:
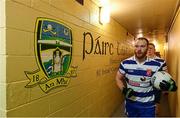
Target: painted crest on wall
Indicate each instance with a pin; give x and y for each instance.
(53, 51)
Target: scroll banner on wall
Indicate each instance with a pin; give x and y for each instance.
(53, 51)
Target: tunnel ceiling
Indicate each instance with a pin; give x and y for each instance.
(150, 17)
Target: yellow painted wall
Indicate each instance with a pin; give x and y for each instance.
(90, 93)
(161, 44)
(174, 63)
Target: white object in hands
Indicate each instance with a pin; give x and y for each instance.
(159, 77)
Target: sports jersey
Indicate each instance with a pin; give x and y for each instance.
(138, 77)
(163, 63)
(163, 68)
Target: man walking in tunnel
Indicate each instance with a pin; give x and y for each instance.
(134, 80)
(151, 53)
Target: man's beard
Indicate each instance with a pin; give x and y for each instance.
(140, 56)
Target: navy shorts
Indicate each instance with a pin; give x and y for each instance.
(137, 109)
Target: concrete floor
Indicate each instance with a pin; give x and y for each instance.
(163, 111)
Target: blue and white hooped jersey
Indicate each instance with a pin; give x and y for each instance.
(138, 77)
(163, 63)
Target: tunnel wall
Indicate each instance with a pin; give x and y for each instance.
(174, 63)
(90, 54)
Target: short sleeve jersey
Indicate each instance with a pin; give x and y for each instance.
(162, 62)
(138, 77)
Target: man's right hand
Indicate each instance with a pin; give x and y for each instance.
(128, 92)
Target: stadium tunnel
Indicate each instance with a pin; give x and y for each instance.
(59, 58)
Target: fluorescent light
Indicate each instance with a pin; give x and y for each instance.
(104, 2)
(139, 35)
(104, 15)
(104, 12)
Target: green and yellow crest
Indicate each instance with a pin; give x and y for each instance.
(53, 52)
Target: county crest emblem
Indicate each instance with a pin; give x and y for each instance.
(53, 52)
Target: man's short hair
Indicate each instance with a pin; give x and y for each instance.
(142, 38)
(152, 45)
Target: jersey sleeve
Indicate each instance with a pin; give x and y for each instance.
(163, 66)
(122, 69)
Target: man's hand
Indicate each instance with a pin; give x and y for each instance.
(128, 92)
(168, 86)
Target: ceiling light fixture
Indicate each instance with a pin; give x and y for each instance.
(104, 12)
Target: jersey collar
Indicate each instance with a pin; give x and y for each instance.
(147, 60)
